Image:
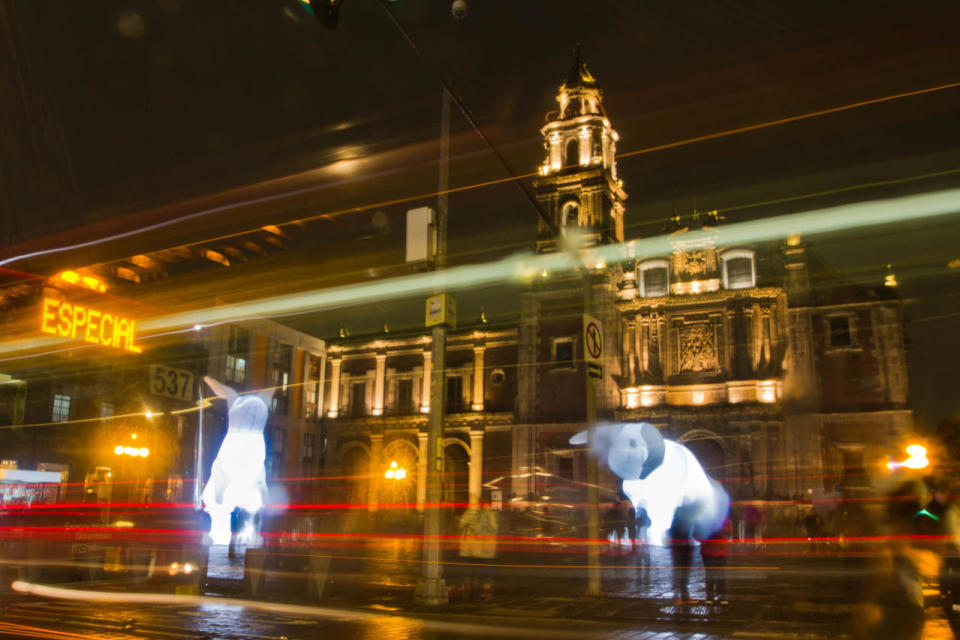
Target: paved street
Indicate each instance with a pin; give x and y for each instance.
(528, 603)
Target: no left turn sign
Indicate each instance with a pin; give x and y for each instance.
(592, 340)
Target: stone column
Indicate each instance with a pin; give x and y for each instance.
(422, 471)
(376, 471)
(476, 467)
(478, 377)
(334, 410)
(425, 385)
(379, 384)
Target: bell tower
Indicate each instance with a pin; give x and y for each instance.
(578, 186)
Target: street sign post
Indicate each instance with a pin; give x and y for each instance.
(441, 310)
(593, 354)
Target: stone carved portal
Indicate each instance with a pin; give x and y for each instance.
(698, 347)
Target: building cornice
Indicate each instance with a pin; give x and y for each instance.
(712, 297)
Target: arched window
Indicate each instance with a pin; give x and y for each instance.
(573, 151)
(654, 278)
(570, 215)
(739, 269)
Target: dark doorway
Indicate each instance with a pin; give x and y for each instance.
(709, 454)
(456, 466)
(354, 468)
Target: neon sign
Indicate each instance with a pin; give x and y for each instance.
(92, 325)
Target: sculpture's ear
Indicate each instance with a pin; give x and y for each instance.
(603, 435)
(656, 448)
(220, 389)
(267, 396)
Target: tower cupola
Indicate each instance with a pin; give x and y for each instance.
(578, 184)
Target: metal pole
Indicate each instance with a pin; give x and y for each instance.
(198, 461)
(432, 590)
(593, 474)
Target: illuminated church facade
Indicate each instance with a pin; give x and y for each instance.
(784, 380)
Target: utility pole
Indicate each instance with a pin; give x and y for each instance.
(431, 589)
(594, 587)
(198, 460)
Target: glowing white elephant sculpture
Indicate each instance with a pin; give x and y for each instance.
(662, 477)
(237, 477)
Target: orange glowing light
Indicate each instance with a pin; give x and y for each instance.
(90, 282)
(91, 325)
(395, 473)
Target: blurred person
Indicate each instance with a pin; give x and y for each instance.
(479, 528)
(487, 530)
(238, 520)
(753, 517)
(894, 602)
(642, 547)
(681, 556)
(813, 527)
(950, 567)
(630, 529)
(467, 530)
(611, 524)
(714, 551)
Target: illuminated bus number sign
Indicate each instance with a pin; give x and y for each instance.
(171, 383)
(91, 325)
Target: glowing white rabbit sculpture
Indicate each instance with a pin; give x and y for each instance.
(661, 477)
(237, 477)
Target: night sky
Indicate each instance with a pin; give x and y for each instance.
(119, 114)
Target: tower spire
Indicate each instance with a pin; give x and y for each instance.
(579, 75)
(578, 184)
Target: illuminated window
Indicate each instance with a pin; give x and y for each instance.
(61, 407)
(563, 353)
(739, 270)
(281, 357)
(107, 410)
(454, 394)
(654, 277)
(311, 393)
(236, 369)
(841, 331)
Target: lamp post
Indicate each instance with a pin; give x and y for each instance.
(431, 588)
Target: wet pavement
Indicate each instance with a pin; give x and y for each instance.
(370, 595)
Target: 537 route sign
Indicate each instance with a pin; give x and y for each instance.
(171, 383)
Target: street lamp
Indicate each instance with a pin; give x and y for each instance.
(133, 452)
(395, 472)
(917, 459)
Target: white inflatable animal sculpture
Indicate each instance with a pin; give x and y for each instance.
(661, 477)
(237, 477)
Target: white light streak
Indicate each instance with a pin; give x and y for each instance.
(524, 268)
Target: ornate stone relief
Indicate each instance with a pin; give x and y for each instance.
(698, 347)
(694, 262)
